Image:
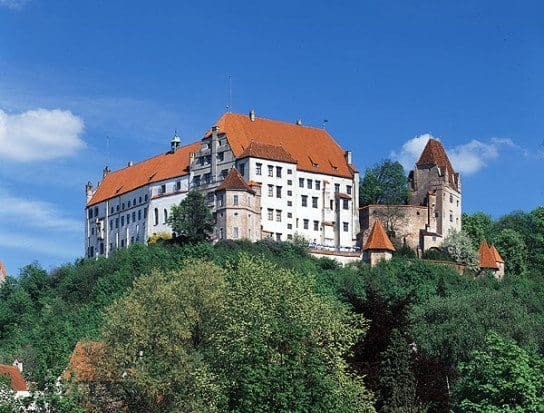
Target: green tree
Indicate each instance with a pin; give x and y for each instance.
(384, 183)
(460, 247)
(478, 226)
(513, 250)
(501, 378)
(192, 219)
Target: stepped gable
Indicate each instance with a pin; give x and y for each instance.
(165, 166)
(313, 149)
(434, 154)
(3, 273)
(234, 181)
(83, 361)
(267, 151)
(378, 239)
(17, 381)
(496, 254)
(487, 258)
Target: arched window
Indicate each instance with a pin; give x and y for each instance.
(165, 215)
(156, 216)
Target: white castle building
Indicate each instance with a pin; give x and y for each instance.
(261, 178)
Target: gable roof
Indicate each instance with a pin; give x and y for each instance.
(234, 181)
(3, 273)
(313, 149)
(434, 154)
(17, 381)
(487, 258)
(84, 361)
(161, 167)
(496, 254)
(378, 239)
(267, 151)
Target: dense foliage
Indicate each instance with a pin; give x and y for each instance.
(384, 183)
(266, 327)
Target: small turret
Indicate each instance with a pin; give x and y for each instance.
(175, 142)
(89, 191)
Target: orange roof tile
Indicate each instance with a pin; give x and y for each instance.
(3, 273)
(18, 383)
(161, 167)
(313, 149)
(234, 181)
(266, 151)
(487, 258)
(378, 239)
(84, 361)
(496, 254)
(434, 154)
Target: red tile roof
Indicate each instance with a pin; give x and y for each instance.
(487, 258)
(378, 239)
(83, 361)
(434, 154)
(3, 273)
(313, 149)
(161, 167)
(234, 181)
(496, 254)
(18, 383)
(266, 151)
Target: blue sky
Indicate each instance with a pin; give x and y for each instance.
(383, 73)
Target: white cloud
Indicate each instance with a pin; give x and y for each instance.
(467, 158)
(39, 135)
(13, 4)
(35, 214)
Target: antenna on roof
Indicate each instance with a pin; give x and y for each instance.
(228, 107)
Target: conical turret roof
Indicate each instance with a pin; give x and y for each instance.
(234, 181)
(487, 257)
(378, 239)
(434, 154)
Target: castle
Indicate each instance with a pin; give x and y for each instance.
(266, 178)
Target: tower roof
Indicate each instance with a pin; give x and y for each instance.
(378, 239)
(434, 154)
(487, 257)
(17, 382)
(496, 254)
(234, 181)
(313, 149)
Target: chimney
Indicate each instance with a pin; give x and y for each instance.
(89, 191)
(299, 122)
(105, 171)
(252, 115)
(347, 155)
(130, 163)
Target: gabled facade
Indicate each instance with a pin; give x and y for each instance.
(302, 182)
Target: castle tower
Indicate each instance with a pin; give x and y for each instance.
(378, 246)
(175, 142)
(434, 174)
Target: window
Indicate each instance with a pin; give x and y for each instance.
(156, 216)
(139, 214)
(209, 198)
(111, 223)
(451, 199)
(235, 232)
(346, 226)
(146, 197)
(178, 185)
(278, 192)
(309, 183)
(132, 239)
(316, 225)
(270, 170)
(301, 182)
(145, 212)
(221, 235)
(128, 219)
(278, 171)
(289, 203)
(242, 169)
(90, 213)
(140, 200)
(224, 173)
(318, 185)
(208, 178)
(134, 202)
(111, 210)
(116, 222)
(457, 202)
(123, 207)
(304, 200)
(122, 220)
(451, 217)
(196, 180)
(289, 193)
(221, 156)
(92, 231)
(314, 202)
(165, 215)
(306, 223)
(336, 187)
(278, 236)
(289, 236)
(134, 216)
(278, 215)
(235, 200)
(345, 203)
(289, 182)
(289, 226)
(289, 172)
(96, 211)
(220, 200)
(258, 168)
(129, 203)
(270, 214)
(289, 215)
(163, 189)
(331, 205)
(270, 190)
(117, 208)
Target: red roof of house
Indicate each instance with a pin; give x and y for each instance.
(3, 273)
(18, 383)
(378, 239)
(496, 254)
(487, 258)
(83, 361)
(234, 181)
(434, 154)
(313, 149)
(165, 166)
(266, 151)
